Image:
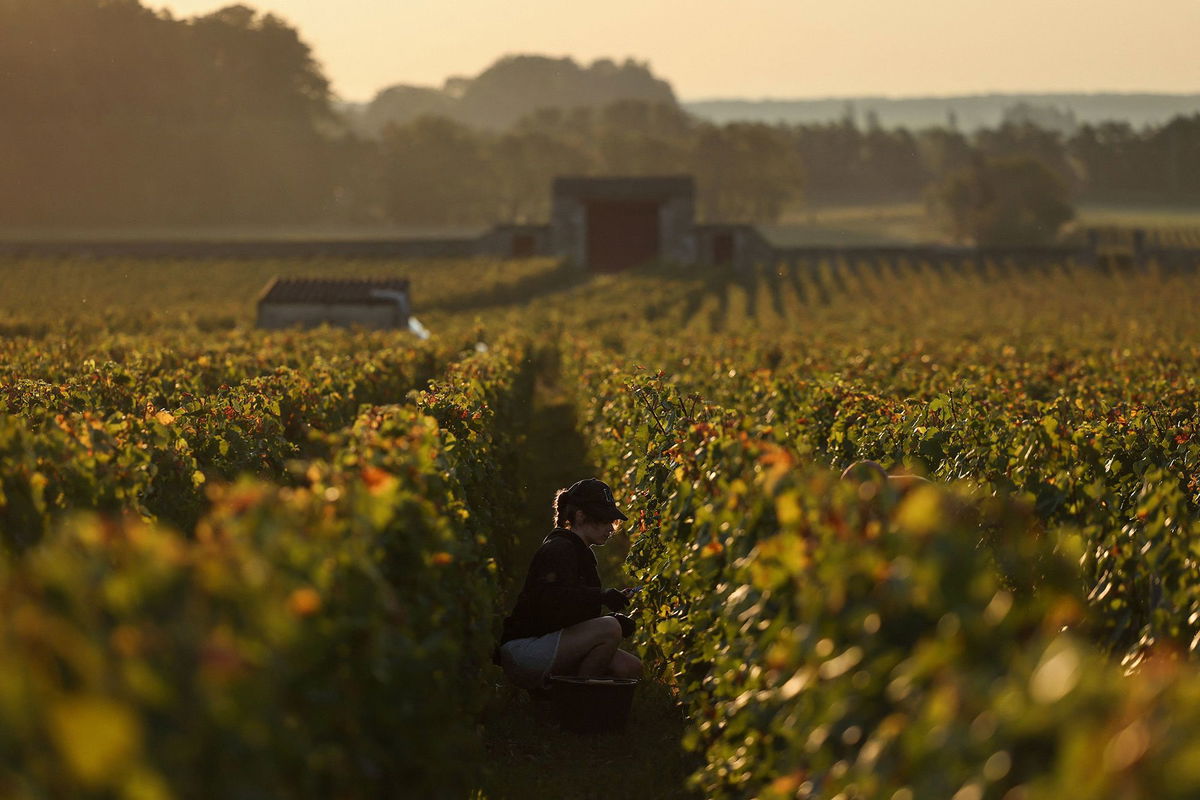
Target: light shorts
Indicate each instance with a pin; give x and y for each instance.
(527, 662)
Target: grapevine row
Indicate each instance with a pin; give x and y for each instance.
(146, 437)
(314, 640)
(831, 642)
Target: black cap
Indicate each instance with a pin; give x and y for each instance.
(595, 498)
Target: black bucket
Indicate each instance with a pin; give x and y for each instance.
(592, 705)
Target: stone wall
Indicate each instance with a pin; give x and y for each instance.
(746, 246)
(248, 248)
(677, 229)
(568, 230)
(515, 241)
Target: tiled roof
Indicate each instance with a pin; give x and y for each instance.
(355, 291)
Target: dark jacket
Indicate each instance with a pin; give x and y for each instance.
(561, 589)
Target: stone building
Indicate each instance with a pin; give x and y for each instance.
(611, 224)
(307, 302)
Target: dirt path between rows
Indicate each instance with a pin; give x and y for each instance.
(528, 756)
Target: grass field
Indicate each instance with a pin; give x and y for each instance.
(898, 224)
(883, 224)
(1147, 216)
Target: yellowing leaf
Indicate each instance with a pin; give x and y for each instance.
(786, 785)
(143, 784)
(164, 417)
(787, 508)
(921, 512)
(304, 602)
(99, 738)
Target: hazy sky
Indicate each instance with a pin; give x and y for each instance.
(762, 48)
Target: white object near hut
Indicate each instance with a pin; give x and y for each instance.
(346, 302)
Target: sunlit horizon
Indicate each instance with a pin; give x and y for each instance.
(783, 49)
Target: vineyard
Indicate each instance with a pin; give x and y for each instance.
(250, 564)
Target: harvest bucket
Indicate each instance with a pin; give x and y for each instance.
(591, 705)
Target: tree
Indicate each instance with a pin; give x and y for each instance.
(745, 172)
(526, 162)
(116, 114)
(518, 85)
(1002, 201)
(637, 138)
(1026, 139)
(943, 150)
(436, 171)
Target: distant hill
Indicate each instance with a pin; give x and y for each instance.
(516, 85)
(969, 112)
(513, 87)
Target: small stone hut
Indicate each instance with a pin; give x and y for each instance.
(307, 302)
(612, 224)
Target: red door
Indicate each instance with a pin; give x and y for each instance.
(621, 234)
(723, 249)
(523, 245)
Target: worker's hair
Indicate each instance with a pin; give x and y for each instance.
(564, 512)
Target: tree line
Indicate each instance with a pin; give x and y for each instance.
(114, 114)
(117, 115)
(435, 170)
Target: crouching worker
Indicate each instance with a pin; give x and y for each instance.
(557, 626)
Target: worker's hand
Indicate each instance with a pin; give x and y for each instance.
(627, 625)
(614, 599)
